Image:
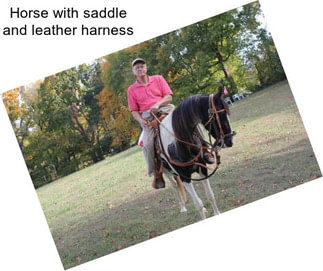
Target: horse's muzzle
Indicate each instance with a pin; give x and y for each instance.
(228, 139)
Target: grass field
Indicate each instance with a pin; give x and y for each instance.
(111, 205)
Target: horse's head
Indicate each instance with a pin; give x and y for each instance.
(218, 123)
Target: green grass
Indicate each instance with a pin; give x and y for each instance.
(111, 204)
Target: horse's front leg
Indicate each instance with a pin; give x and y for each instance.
(210, 195)
(197, 201)
(179, 193)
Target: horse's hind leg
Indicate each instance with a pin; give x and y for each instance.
(197, 201)
(180, 197)
(210, 196)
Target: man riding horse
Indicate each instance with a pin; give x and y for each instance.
(150, 94)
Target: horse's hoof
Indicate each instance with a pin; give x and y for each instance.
(183, 210)
(203, 213)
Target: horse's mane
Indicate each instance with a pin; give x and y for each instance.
(185, 119)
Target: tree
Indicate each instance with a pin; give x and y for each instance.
(123, 129)
(15, 112)
(67, 116)
(11, 102)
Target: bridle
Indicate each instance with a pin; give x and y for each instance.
(213, 114)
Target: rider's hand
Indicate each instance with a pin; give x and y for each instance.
(154, 109)
(143, 123)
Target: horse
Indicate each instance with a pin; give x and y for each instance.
(182, 145)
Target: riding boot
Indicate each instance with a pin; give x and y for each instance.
(158, 181)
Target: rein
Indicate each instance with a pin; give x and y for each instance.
(182, 141)
(171, 161)
(181, 164)
(213, 113)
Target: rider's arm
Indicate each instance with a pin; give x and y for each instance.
(137, 116)
(164, 101)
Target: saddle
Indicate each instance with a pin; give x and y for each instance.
(154, 123)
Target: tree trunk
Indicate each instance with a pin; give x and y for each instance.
(93, 155)
(100, 151)
(227, 75)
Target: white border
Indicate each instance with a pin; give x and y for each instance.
(281, 232)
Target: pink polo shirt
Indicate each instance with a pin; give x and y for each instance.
(142, 97)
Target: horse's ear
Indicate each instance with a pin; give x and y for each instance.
(220, 92)
(221, 95)
(225, 105)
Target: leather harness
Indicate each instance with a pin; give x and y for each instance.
(213, 113)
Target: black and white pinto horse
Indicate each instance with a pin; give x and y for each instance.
(181, 140)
